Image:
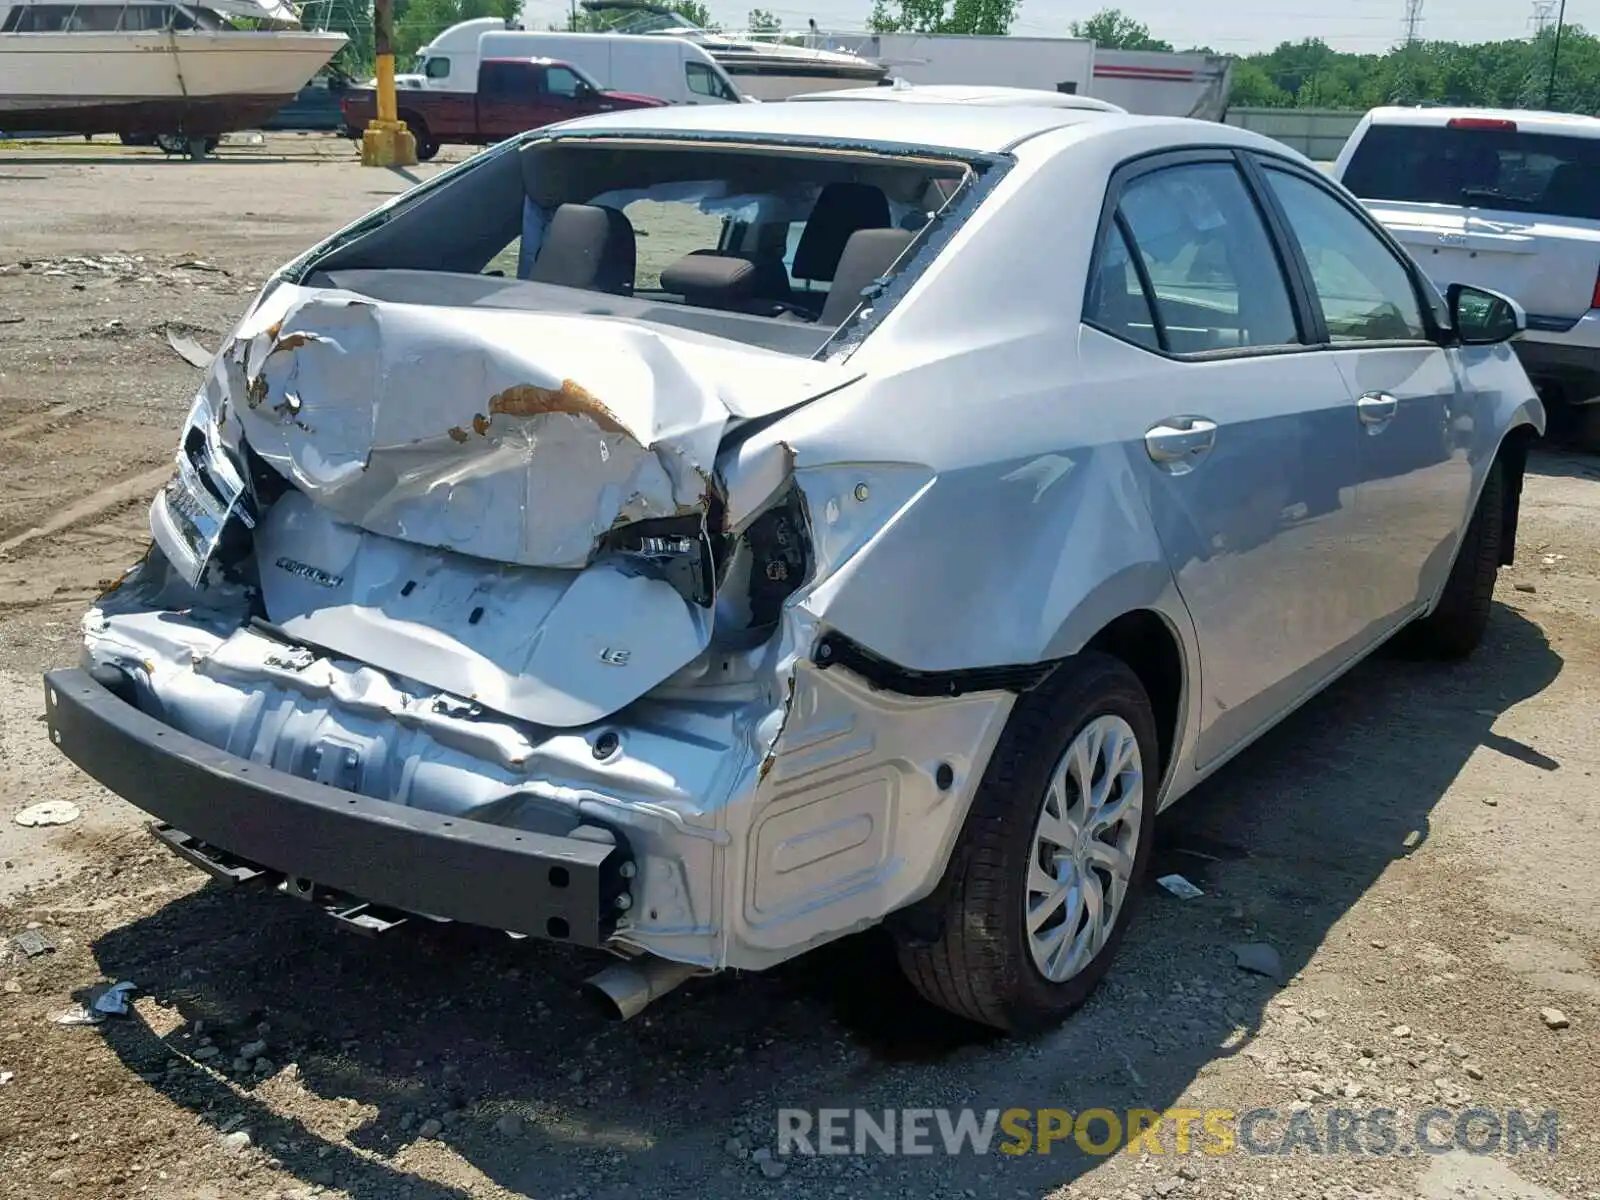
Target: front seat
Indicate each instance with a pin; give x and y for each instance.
(841, 210)
(588, 246)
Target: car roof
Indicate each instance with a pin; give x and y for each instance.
(1528, 120)
(961, 128)
(963, 93)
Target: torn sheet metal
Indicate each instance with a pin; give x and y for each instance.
(558, 648)
(511, 435)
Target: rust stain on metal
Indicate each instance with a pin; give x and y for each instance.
(531, 400)
(294, 341)
(772, 750)
(256, 390)
(480, 424)
(457, 434)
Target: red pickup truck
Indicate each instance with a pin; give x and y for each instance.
(514, 94)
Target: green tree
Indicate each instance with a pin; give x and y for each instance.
(1116, 30)
(762, 21)
(990, 17)
(1506, 74)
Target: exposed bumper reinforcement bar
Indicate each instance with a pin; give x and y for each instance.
(564, 888)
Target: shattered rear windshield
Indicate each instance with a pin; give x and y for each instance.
(1505, 169)
(768, 244)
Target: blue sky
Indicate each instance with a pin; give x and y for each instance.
(1240, 26)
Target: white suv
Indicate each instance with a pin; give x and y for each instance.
(1508, 200)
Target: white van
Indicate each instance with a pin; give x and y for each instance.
(670, 69)
(449, 63)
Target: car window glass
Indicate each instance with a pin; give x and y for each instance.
(1365, 291)
(701, 81)
(559, 81)
(1117, 302)
(436, 68)
(1217, 281)
(506, 79)
(791, 244)
(665, 232)
(1494, 166)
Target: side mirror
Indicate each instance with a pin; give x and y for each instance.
(1481, 317)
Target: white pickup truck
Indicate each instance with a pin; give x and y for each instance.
(1508, 200)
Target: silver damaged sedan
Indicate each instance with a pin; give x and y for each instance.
(700, 534)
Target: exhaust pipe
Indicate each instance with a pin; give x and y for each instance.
(622, 991)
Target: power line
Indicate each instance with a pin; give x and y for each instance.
(1544, 12)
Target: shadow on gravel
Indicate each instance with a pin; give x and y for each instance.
(462, 1029)
(1554, 460)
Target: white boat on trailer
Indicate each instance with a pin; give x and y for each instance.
(181, 74)
(760, 69)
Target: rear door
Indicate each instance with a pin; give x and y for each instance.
(1415, 409)
(510, 98)
(1479, 200)
(1250, 456)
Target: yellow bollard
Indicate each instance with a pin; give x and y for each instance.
(386, 142)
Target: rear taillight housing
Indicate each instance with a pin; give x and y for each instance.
(1594, 300)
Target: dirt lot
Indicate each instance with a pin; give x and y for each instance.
(1421, 847)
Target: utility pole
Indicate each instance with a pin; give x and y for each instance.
(386, 142)
(1555, 57)
(1413, 21)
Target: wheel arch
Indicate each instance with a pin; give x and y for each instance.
(1146, 642)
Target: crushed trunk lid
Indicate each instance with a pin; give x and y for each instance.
(490, 500)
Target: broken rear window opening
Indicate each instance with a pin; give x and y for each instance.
(1500, 168)
(770, 245)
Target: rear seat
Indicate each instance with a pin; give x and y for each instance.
(588, 246)
(868, 255)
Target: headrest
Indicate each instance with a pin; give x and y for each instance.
(587, 246)
(711, 280)
(867, 256)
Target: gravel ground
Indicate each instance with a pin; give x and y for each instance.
(1418, 847)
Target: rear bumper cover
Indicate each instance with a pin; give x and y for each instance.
(565, 888)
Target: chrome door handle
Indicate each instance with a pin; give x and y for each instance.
(1377, 408)
(1178, 441)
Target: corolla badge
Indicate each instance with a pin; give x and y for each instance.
(309, 573)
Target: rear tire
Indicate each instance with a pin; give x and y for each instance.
(427, 145)
(985, 963)
(1454, 629)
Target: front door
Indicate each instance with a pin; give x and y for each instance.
(1249, 457)
(1412, 404)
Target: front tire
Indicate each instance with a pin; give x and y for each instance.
(1047, 869)
(1456, 626)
